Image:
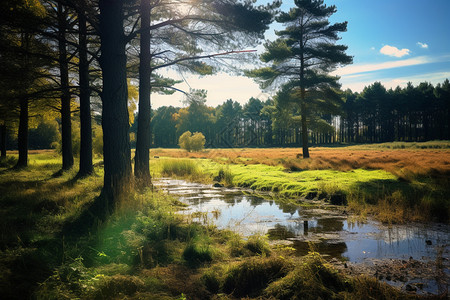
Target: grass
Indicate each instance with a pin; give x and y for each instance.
(148, 251)
(415, 159)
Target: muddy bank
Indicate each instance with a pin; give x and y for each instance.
(423, 277)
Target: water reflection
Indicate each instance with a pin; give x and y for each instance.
(334, 249)
(329, 232)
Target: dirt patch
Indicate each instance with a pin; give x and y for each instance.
(412, 276)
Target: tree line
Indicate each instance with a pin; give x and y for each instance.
(413, 113)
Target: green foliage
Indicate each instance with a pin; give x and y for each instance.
(163, 127)
(74, 280)
(185, 141)
(44, 136)
(198, 141)
(192, 142)
(97, 140)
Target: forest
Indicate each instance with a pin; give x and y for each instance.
(97, 201)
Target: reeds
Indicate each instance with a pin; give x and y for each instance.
(179, 167)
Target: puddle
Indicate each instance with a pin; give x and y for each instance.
(368, 244)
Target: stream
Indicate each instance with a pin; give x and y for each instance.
(413, 257)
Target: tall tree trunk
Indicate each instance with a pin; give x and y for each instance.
(23, 134)
(115, 119)
(141, 164)
(304, 132)
(86, 167)
(3, 140)
(66, 123)
(303, 104)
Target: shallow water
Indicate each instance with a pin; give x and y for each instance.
(329, 230)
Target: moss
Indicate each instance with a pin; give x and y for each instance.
(117, 285)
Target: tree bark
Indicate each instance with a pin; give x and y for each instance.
(86, 167)
(23, 134)
(3, 141)
(115, 119)
(66, 123)
(141, 164)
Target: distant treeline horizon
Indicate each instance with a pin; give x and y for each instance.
(375, 115)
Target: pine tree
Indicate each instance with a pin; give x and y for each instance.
(302, 58)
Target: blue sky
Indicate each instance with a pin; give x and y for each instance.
(394, 41)
(391, 41)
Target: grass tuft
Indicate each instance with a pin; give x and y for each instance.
(186, 168)
(198, 251)
(312, 279)
(252, 276)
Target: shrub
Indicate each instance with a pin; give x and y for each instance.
(185, 141)
(198, 141)
(192, 142)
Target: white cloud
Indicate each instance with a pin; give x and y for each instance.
(394, 51)
(422, 45)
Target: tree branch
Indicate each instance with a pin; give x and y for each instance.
(199, 57)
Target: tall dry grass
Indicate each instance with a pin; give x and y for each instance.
(404, 163)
